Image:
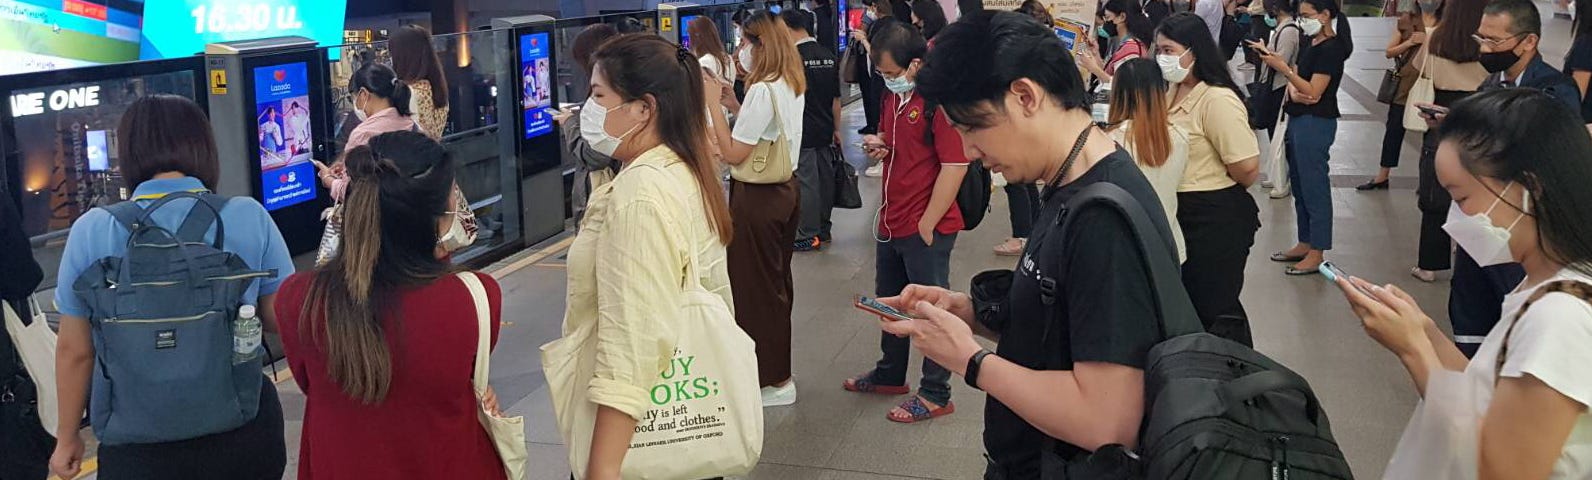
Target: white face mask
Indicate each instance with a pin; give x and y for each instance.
(1309, 26)
(1485, 242)
(1172, 68)
(359, 112)
(593, 121)
(453, 239)
(745, 57)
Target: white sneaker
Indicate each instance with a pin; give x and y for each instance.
(875, 171)
(780, 396)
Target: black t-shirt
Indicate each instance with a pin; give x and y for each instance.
(1580, 60)
(1326, 58)
(823, 87)
(1103, 309)
(828, 26)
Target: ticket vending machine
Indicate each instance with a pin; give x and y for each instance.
(532, 138)
(268, 104)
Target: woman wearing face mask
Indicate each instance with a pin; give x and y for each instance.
(1285, 40)
(1450, 58)
(386, 329)
(1518, 410)
(626, 267)
(1218, 217)
(1127, 23)
(1416, 17)
(1312, 110)
(765, 214)
(1139, 123)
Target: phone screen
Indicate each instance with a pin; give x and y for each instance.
(887, 311)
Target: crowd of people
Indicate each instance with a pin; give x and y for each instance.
(709, 168)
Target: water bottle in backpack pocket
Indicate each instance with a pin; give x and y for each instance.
(162, 317)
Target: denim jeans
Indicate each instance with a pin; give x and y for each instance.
(1309, 140)
(901, 262)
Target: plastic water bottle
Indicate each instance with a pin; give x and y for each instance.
(246, 332)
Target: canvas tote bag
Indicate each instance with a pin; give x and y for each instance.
(1421, 92)
(706, 417)
(36, 345)
(507, 433)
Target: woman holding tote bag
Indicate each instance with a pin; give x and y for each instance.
(25, 447)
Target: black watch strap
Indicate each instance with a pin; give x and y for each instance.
(973, 366)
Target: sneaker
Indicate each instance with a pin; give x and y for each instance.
(875, 171)
(809, 245)
(1280, 193)
(780, 396)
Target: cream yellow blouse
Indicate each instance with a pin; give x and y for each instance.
(627, 270)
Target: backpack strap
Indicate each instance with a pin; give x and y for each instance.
(1577, 289)
(1176, 312)
(199, 220)
(126, 213)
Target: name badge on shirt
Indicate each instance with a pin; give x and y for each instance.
(914, 115)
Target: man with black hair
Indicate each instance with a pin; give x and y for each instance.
(1076, 320)
(918, 220)
(820, 132)
(1510, 34)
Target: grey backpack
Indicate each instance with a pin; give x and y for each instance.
(161, 316)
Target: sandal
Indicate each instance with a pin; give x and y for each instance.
(1011, 247)
(1283, 257)
(918, 410)
(863, 384)
(1295, 272)
(1426, 276)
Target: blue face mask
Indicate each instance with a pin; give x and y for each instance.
(1271, 22)
(899, 85)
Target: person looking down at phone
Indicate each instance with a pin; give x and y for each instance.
(1133, 32)
(1076, 320)
(918, 221)
(1312, 109)
(1519, 199)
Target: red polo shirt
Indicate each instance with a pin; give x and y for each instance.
(914, 165)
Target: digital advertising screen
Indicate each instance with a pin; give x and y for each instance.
(854, 18)
(38, 35)
(685, 30)
(285, 134)
(536, 84)
(178, 28)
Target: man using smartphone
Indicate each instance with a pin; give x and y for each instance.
(820, 133)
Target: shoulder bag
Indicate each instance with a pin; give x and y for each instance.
(35, 343)
(1421, 92)
(507, 433)
(770, 162)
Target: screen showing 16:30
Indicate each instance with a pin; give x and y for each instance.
(536, 84)
(285, 133)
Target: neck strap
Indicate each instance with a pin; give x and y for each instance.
(1077, 148)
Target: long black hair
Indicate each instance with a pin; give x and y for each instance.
(1139, 26)
(1498, 134)
(382, 82)
(1210, 66)
(1452, 39)
(1340, 27)
(931, 15)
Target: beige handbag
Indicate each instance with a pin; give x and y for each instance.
(507, 433)
(1421, 92)
(770, 162)
(35, 343)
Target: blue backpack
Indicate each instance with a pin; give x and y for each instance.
(161, 317)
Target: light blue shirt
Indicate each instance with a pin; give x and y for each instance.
(250, 234)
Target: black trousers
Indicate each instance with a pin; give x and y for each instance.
(25, 447)
(1023, 200)
(1218, 230)
(1476, 298)
(255, 451)
(1435, 249)
(1393, 137)
(872, 94)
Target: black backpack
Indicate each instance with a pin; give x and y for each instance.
(1214, 409)
(972, 200)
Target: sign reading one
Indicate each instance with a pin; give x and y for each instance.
(24, 104)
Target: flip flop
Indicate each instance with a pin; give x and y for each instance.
(1283, 257)
(862, 384)
(1299, 273)
(920, 411)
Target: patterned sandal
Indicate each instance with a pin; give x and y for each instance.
(862, 384)
(918, 410)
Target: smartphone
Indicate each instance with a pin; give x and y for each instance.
(1432, 111)
(1333, 272)
(1259, 47)
(873, 306)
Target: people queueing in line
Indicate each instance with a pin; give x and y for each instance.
(1415, 19)
(820, 158)
(1312, 110)
(1518, 409)
(1218, 216)
(25, 447)
(1285, 41)
(1509, 34)
(766, 214)
(593, 167)
(1139, 122)
(627, 266)
(1026, 114)
(879, 14)
(918, 219)
(1126, 27)
(1022, 199)
(928, 17)
(1449, 59)
(386, 329)
(164, 146)
(416, 63)
(1578, 62)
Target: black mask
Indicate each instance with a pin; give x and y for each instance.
(1499, 61)
(1111, 29)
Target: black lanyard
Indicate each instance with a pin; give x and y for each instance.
(1047, 285)
(1077, 148)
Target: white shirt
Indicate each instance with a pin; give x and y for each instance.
(1165, 178)
(1211, 12)
(1554, 344)
(756, 121)
(711, 64)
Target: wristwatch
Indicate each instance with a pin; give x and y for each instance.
(973, 365)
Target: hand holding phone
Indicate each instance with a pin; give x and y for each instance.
(1333, 272)
(872, 305)
(1432, 111)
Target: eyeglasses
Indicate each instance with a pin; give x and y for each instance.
(1494, 44)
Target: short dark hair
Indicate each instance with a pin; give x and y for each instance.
(1523, 16)
(931, 14)
(587, 42)
(166, 133)
(975, 60)
(902, 42)
(798, 19)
